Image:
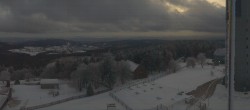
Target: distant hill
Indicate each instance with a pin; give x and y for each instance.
(48, 42)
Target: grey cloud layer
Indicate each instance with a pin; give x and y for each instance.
(48, 16)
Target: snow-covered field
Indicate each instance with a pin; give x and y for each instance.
(31, 95)
(148, 95)
(165, 90)
(98, 102)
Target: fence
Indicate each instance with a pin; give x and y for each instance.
(120, 101)
(8, 96)
(59, 101)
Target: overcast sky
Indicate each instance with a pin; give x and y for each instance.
(112, 18)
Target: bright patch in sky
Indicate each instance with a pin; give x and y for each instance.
(176, 8)
(218, 3)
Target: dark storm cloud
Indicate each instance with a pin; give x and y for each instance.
(49, 16)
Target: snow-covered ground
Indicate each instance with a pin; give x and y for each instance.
(98, 102)
(148, 95)
(219, 100)
(28, 50)
(31, 95)
(165, 90)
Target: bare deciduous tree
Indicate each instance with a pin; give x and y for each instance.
(190, 62)
(78, 77)
(201, 58)
(86, 75)
(173, 66)
(49, 71)
(19, 74)
(5, 76)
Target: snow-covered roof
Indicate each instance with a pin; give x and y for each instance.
(49, 81)
(51, 64)
(131, 65)
(209, 60)
(220, 52)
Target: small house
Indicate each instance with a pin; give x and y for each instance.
(139, 72)
(49, 84)
(219, 56)
(5, 76)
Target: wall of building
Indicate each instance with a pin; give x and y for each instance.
(242, 46)
(49, 86)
